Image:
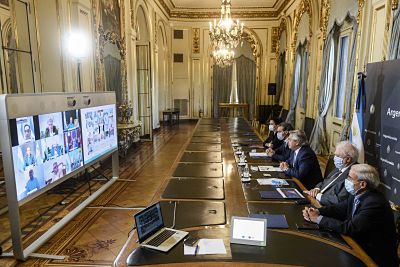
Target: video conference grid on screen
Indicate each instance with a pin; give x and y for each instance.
(47, 147)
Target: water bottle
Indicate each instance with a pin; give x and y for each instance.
(246, 171)
(242, 157)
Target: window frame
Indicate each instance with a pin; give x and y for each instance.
(346, 31)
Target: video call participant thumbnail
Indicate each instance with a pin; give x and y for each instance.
(29, 158)
(33, 183)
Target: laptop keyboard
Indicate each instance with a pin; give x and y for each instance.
(160, 238)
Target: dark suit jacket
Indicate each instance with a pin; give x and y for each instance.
(282, 153)
(336, 192)
(305, 168)
(371, 226)
(273, 139)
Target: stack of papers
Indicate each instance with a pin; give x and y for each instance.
(272, 181)
(269, 169)
(206, 246)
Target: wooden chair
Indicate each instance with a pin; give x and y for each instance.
(263, 130)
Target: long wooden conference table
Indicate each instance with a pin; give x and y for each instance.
(206, 188)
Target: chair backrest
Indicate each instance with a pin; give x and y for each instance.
(308, 126)
(330, 165)
(262, 130)
(284, 113)
(276, 111)
(264, 112)
(255, 124)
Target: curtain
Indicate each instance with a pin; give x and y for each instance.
(344, 135)
(222, 85)
(394, 47)
(112, 69)
(318, 138)
(295, 87)
(280, 77)
(304, 77)
(246, 82)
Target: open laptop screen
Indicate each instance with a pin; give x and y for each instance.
(149, 221)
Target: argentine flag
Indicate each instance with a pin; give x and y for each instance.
(357, 125)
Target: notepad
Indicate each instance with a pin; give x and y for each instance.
(273, 220)
(269, 169)
(206, 247)
(258, 154)
(270, 195)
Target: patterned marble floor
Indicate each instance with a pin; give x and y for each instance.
(96, 235)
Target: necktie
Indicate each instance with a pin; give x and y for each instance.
(355, 205)
(333, 179)
(294, 158)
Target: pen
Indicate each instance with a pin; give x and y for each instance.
(196, 250)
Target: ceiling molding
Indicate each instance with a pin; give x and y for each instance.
(242, 12)
(217, 14)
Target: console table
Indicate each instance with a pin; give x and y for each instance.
(234, 110)
(128, 133)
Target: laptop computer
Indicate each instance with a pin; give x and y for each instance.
(151, 230)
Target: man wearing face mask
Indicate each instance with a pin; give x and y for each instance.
(283, 152)
(365, 216)
(332, 190)
(272, 141)
(302, 163)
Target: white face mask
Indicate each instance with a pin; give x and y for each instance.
(271, 127)
(349, 187)
(339, 162)
(280, 136)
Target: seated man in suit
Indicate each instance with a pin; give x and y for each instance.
(365, 216)
(272, 140)
(282, 153)
(303, 163)
(331, 190)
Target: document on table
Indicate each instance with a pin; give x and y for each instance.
(258, 154)
(272, 181)
(206, 247)
(269, 169)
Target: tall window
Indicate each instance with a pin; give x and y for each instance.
(341, 74)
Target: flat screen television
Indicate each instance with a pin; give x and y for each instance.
(47, 147)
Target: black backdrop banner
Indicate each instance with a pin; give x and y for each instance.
(382, 124)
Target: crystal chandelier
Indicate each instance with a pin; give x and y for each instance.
(227, 33)
(223, 57)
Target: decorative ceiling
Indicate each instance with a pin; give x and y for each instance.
(207, 4)
(205, 9)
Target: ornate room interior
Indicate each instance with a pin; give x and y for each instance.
(161, 59)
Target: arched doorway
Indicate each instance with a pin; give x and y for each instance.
(143, 74)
